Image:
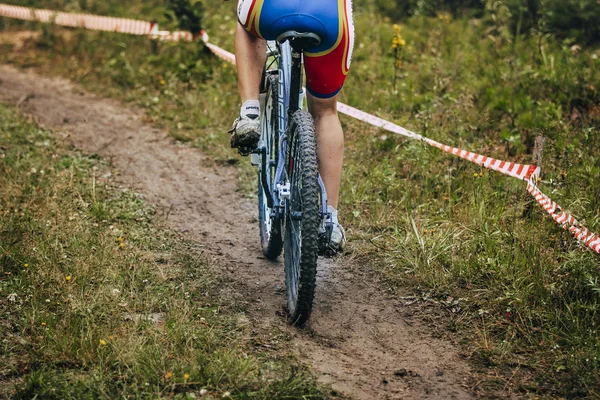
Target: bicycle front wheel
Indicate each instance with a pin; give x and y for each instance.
(302, 218)
(270, 227)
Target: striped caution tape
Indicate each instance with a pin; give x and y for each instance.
(97, 23)
(567, 221)
(93, 22)
(109, 24)
(376, 121)
(221, 53)
(519, 171)
(136, 27)
(177, 36)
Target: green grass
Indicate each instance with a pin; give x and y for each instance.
(99, 300)
(522, 293)
(528, 291)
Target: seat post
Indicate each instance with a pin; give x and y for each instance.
(298, 42)
(295, 81)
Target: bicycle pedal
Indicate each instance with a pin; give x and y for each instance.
(325, 250)
(329, 253)
(244, 150)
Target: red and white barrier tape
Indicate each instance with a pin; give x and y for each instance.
(130, 26)
(567, 221)
(376, 121)
(177, 36)
(221, 53)
(519, 171)
(529, 173)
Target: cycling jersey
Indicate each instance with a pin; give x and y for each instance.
(328, 63)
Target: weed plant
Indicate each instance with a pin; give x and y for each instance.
(521, 292)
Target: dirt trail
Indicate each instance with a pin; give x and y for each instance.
(357, 339)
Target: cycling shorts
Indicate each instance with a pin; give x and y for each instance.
(328, 63)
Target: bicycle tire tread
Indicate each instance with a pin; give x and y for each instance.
(307, 148)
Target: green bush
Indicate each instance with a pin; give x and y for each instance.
(573, 19)
(401, 9)
(566, 19)
(576, 20)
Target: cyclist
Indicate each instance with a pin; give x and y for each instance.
(326, 68)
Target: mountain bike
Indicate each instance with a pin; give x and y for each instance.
(292, 201)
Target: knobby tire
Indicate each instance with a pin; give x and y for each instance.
(301, 243)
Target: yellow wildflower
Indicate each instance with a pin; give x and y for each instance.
(102, 342)
(186, 376)
(168, 375)
(43, 324)
(397, 41)
(446, 17)
(111, 337)
(162, 82)
(68, 278)
(25, 265)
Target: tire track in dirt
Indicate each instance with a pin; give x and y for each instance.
(357, 340)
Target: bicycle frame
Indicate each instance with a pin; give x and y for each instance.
(291, 99)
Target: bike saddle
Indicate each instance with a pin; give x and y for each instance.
(300, 40)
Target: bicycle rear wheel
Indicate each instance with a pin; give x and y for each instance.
(270, 227)
(302, 218)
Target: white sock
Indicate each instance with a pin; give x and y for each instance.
(334, 216)
(250, 109)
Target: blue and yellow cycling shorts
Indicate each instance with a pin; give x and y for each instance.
(326, 65)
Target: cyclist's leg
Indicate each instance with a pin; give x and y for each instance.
(250, 53)
(330, 144)
(330, 151)
(325, 75)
